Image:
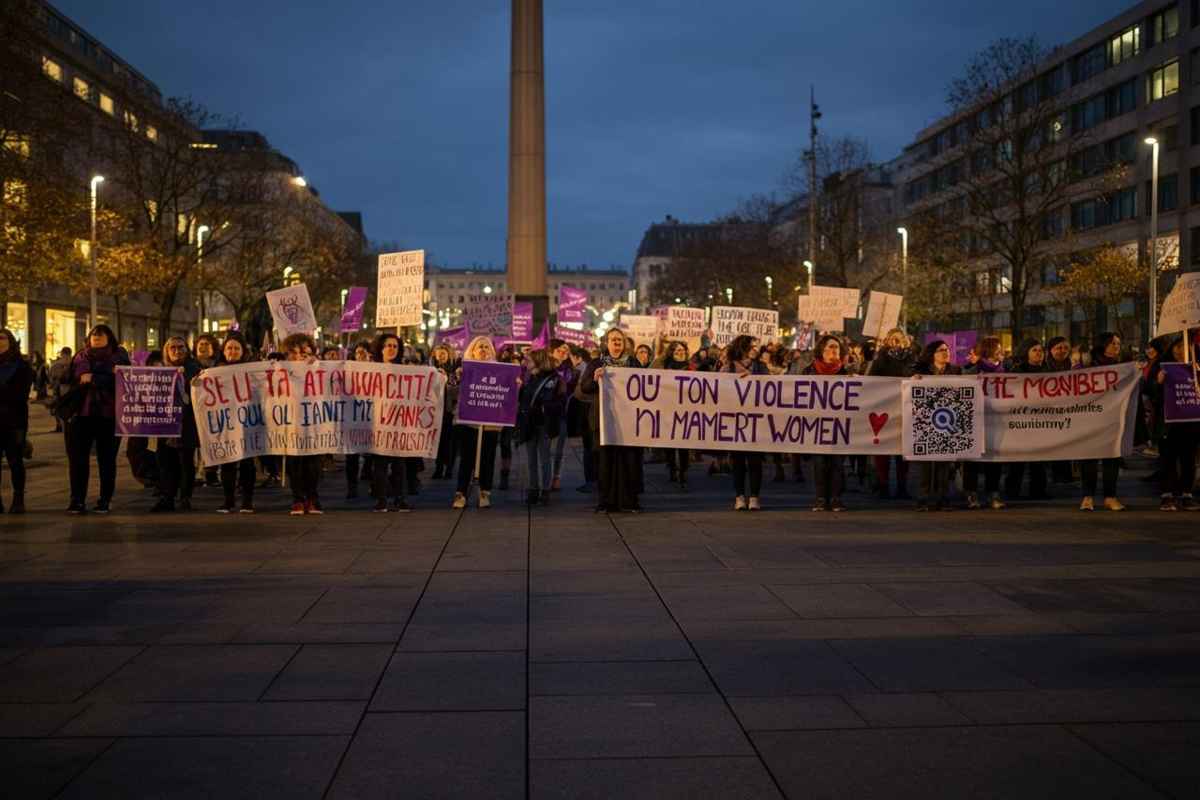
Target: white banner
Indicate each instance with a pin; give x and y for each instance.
(943, 419)
(292, 310)
(1079, 415)
(681, 324)
(830, 306)
(730, 322)
(400, 291)
(642, 328)
(489, 314)
(883, 314)
(1181, 309)
(294, 408)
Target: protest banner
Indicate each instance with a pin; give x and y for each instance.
(543, 338)
(828, 307)
(579, 338)
(1079, 415)
(943, 419)
(292, 310)
(1181, 309)
(400, 289)
(291, 408)
(642, 328)
(730, 322)
(1181, 400)
(148, 401)
(522, 324)
(458, 338)
(572, 303)
(883, 314)
(489, 314)
(488, 393)
(682, 324)
(352, 309)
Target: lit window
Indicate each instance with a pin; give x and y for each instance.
(106, 104)
(82, 90)
(152, 133)
(131, 120)
(1164, 81)
(1125, 45)
(52, 69)
(14, 193)
(18, 145)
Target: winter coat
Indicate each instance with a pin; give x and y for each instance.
(16, 378)
(100, 398)
(892, 364)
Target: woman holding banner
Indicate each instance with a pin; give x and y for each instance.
(1177, 446)
(16, 378)
(389, 350)
(362, 352)
(744, 361)
(989, 359)
(442, 359)
(303, 472)
(676, 357)
(466, 437)
(93, 380)
(619, 467)
(934, 476)
(237, 474)
(177, 455)
(208, 355)
(893, 360)
(1105, 352)
(828, 468)
(1029, 358)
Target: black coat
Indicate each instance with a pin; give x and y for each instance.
(16, 378)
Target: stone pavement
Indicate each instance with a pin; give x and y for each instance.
(687, 652)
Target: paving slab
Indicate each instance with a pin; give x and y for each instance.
(40, 768)
(196, 672)
(619, 677)
(651, 779)
(452, 682)
(331, 672)
(216, 719)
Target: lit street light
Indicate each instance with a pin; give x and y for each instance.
(729, 294)
(200, 232)
(810, 266)
(96, 181)
(300, 181)
(770, 289)
(1153, 142)
(903, 277)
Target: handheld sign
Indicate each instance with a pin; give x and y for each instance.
(1181, 309)
(487, 394)
(400, 291)
(352, 311)
(148, 401)
(571, 304)
(883, 314)
(730, 322)
(489, 314)
(292, 310)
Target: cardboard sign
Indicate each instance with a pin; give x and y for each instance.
(489, 314)
(730, 322)
(1181, 309)
(149, 402)
(642, 328)
(400, 293)
(682, 324)
(883, 314)
(352, 311)
(292, 310)
(830, 306)
(488, 393)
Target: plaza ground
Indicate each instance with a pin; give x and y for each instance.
(686, 652)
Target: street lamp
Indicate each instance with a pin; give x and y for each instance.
(96, 181)
(729, 294)
(1153, 142)
(903, 277)
(200, 232)
(299, 181)
(810, 267)
(770, 289)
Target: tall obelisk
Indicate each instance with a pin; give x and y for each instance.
(527, 161)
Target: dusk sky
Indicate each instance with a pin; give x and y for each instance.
(654, 107)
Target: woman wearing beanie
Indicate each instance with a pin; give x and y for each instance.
(94, 377)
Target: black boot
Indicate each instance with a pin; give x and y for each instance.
(18, 504)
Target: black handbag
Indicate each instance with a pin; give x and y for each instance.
(69, 403)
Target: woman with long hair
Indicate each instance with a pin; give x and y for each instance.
(1105, 352)
(389, 350)
(676, 357)
(93, 374)
(1178, 442)
(828, 476)
(177, 455)
(743, 361)
(467, 436)
(934, 476)
(236, 474)
(16, 378)
(988, 360)
(542, 402)
(1029, 358)
(442, 359)
(303, 472)
(619, 467)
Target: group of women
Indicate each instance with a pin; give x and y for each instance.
(558, 397)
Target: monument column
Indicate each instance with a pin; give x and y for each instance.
(527, 161)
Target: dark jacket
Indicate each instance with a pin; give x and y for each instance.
(189, 436)
(16, 378)
(926, 368)
(889, 364)
(589, 387)
(100, 398)
(542, 402)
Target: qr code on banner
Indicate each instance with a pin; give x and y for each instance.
(943, 422)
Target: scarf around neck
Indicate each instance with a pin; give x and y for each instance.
(823, 367)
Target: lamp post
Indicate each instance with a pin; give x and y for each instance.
(1153, 142)
(203, 229)
(770, 289)
(810, 267)
(95, 317)
(903, 277)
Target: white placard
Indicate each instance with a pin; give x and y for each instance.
(682, 324)
(400, 291)
(1181, 309)
(730, 322)
(883, 314)
(292, 310)
(489, 314)
(832, 305)
(642, 328)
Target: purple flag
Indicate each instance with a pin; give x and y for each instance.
(522, 322)
(571, 304)
(458, 338)
(1181, 402)
(149, 401)
(488, 393)
(352, 311)
(543, 338)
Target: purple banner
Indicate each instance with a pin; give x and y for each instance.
(571, 304)
(1181, 401)
(572, 336)
(522, 322)
(543, 338)
(487, 394)
(149, 401)
(458, 338)
(352, 311)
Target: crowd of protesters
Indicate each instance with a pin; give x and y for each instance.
(558, 400)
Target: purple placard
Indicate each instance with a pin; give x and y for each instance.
(139, 358)
(352, 311)
(1181, 402)
(571, 304)
(522, 322)
(543, 338)
(572, 336)
(149, 402)
(487, 394)
(458, 338)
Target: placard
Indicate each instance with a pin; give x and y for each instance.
(1181, 401)
(352, 310)
(573, 336)
(488, 393)
(830, 306)
(148, 401)
(943, 419)
(883, 314)
(572, 303)
(1181, 309)
(730, 322)
(682, 324)
(400, 291)
(489, 314)
(292, 310)
(522, 324)
(458, 338)
(642, 328)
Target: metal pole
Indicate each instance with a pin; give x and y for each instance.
(813, 116)
(1154, 244)
(95, 317)
(903, 277)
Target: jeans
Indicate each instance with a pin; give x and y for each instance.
(829, 477)
(1088, 469)
(82, 433)
(935, 480)
(176, 471)
(304, 475)
(537, 449)
(12, 443)
(465, 437)
(239, 474)
(747, 464)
